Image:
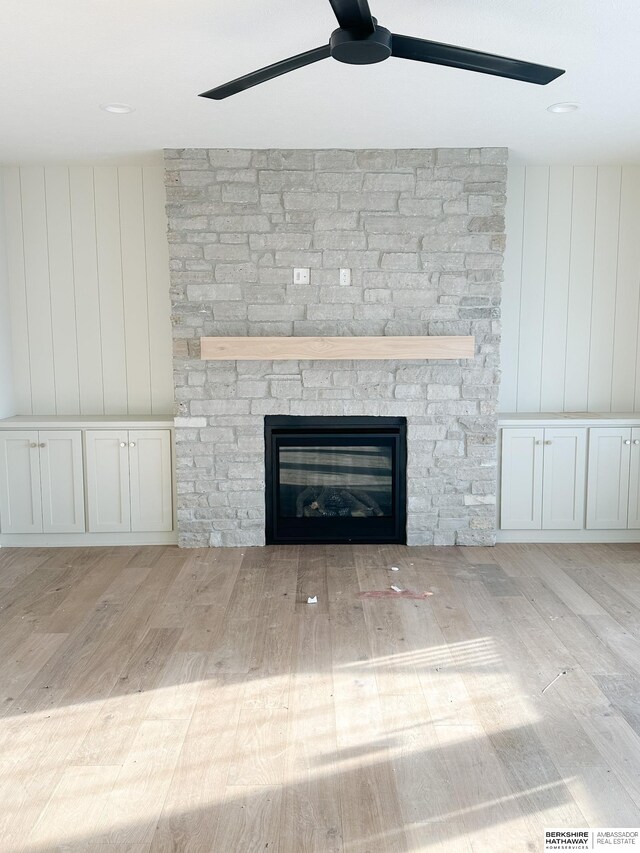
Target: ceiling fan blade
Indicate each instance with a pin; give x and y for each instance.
(264, 74)
(353, 15)
(406, 47)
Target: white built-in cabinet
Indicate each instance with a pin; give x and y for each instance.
(614, 479)
(76, 481)
(108, 502)
(569, 478)
(41, 485)
(633, 515)
(150, 481)
(129, 480)
(563, 478)
(543, 475)
(522, 479)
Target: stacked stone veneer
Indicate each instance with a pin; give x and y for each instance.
(423, 233)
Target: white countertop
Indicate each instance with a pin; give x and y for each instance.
(86, 421)
(574, 418)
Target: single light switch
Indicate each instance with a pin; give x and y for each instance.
(300, 275)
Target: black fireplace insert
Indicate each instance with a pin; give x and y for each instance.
(335, 479)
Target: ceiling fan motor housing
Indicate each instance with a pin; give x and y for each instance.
(358, 48)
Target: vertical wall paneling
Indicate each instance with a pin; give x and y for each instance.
(628, 285)
(134, 285)
(580, 288)
(587, 332)
(36, 266)
(114, 359)
(157, 266)
(85, 270)
(514, 214)
(631, 178)
(7, 399)
(532, 287)
(88, 282)
(62, 290)
(556, 287)
(603, 298)
(21, 366)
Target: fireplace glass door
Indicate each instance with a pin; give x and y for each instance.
(335, 480)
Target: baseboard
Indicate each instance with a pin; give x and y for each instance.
(568, 536)
(70, 540)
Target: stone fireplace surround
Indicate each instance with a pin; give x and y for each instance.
(422, 231)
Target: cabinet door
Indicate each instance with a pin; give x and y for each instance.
(634, 481)
(107, 454)
(608, 478)
(521, 489)
(62, 481)
(20, 505)
(150, 479)
(563, 479)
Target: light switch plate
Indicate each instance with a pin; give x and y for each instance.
(345, 276)
(300, 275)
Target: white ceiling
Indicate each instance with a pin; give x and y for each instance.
(60, 59)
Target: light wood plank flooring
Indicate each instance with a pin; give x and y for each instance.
(153, 699)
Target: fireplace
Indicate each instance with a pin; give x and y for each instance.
(339, 479)
(429, 264)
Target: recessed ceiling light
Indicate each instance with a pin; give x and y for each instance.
(564, 107)
(117, 108)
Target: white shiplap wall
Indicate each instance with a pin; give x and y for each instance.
(571, 299)
(7, 403)
(88, 279)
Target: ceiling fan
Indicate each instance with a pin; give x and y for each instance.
(360, 41)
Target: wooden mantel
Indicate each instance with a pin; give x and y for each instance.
(410, 347)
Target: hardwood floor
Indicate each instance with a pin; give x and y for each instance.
(153, 699)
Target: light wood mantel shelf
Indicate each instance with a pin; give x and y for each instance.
(332, 349)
